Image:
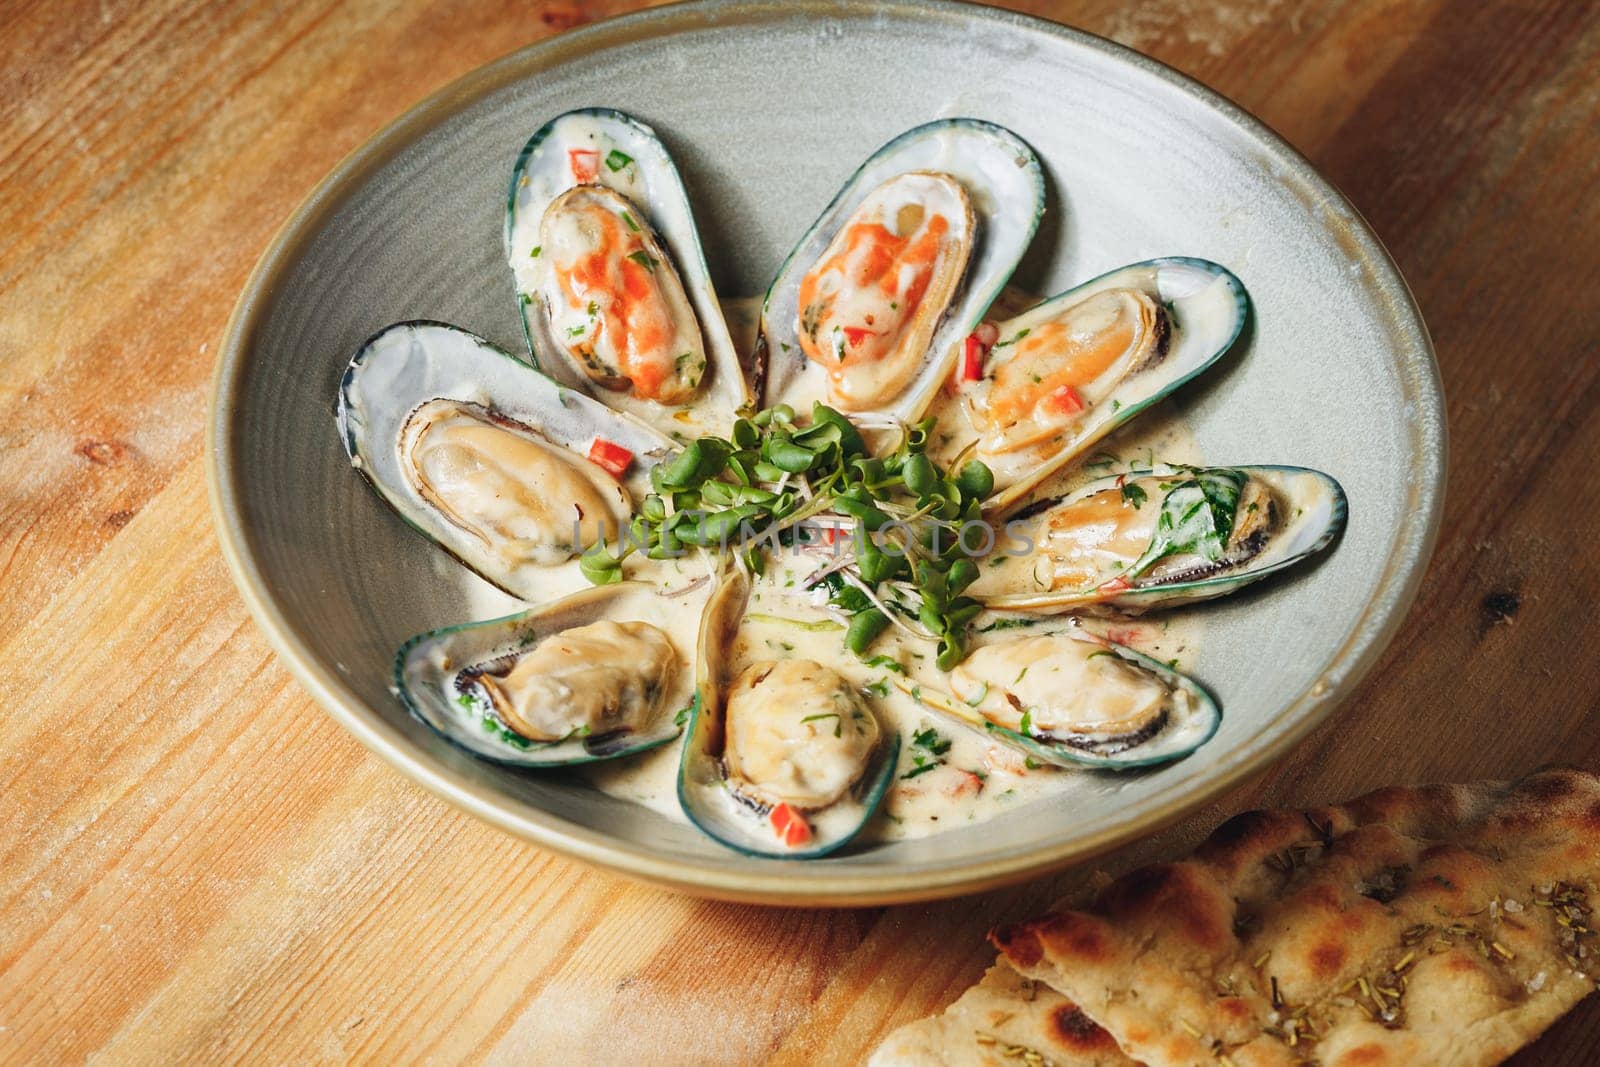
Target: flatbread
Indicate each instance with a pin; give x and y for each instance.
(1432, 925)
(1005, 1020)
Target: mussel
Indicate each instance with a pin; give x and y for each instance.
(594, 676)
(503, 468)
(616, 296)
(1068, 371)
(783, 758)
(1072, 699)
(1159, 538)
(869, 310)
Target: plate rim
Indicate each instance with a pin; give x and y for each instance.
(817, 885)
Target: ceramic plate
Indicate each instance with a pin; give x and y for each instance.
(768, 108)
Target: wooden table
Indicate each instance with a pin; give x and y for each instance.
(196, 862)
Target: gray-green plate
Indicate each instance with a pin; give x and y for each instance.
(768, 107)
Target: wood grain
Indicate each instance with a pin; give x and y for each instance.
(196, 864)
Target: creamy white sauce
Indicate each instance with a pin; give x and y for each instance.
(976, 778)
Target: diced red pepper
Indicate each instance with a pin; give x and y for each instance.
(965, 783)
(1123, 637)
(1115, 585)
(856, 334)
(1066, 400)
(791, 825)
(1001, 758)
(972, 359)
(610, 456)
(585, 163)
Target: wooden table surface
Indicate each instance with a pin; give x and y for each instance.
(196, 862)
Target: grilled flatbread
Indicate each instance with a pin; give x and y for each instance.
(1005, 1020)
(1433, 925)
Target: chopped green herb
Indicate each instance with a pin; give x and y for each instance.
(1008, 624)
(1134, 495)
(814, 626)
(838, 723)
(887, 663)
(932, 740)
(644, 260)
(491, 725)
(1196, 517)
(627, 218)
(934, 746)
(617, 160)
(536, 250)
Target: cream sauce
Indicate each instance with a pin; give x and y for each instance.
(973, 779)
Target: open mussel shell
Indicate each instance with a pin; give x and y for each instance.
(1288, 513)
(1003, 185)
(1187, 723)
(715, 803)
(413, 368)
(441, 674)
(613, 155)
(1197, 310)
